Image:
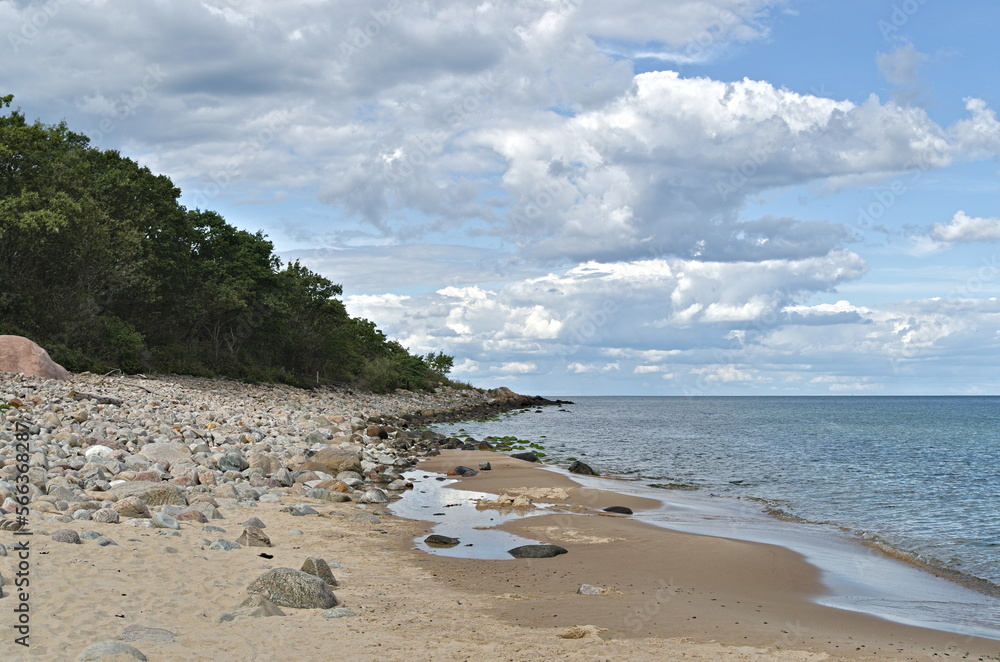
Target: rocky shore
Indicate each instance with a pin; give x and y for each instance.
(172, 518)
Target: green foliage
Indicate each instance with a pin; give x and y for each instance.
(104, 267)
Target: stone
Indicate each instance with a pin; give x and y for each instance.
(302, 509)
(142, 633)
(536, 551)
(192, 516)
(106, 515)
(207, 509)
(579, 467)
(99, 451)
(338, 612)
(374, 495)
(131, 506)
(320, 568)
(257, 606)
(224, 545)
(283, 477)
(293, 588)
(109, 650)
(589, 589)
(462, 471)
(436, 540)
(254, 537)
(151, 494)
(364, 518)
(165, 521)
(83, 514)
(336, 460)
(485, 466)
(18, 354)
(622, 510)
(171, 452)
(266, 462)
(255, 521)
(526, 456)
(233, 461)
(67, 535)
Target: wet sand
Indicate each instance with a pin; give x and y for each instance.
(668, 584)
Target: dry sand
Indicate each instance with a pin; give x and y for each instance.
(670, 596)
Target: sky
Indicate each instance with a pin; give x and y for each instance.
(571, 197)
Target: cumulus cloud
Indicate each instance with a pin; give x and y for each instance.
(964, 229)
(501, 185)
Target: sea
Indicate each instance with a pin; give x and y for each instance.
(918, 477)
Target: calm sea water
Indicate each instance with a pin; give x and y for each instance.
(919, 473)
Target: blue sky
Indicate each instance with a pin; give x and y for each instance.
(573, 197)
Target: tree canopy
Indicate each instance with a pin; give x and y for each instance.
(101, 264)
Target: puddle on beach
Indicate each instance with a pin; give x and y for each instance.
(455, 515)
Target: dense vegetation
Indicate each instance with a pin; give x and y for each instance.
(101, 264)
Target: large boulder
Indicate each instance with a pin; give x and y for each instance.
(337, 459)
(18, 354)
(536, 551)
(293, 588)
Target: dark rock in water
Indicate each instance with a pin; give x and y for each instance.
(579, 467)
(441, 541)
(526, 456)
(536, 551)
(622, 510)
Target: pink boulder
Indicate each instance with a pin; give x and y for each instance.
(18, 354)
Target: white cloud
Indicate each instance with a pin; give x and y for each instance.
(964, 228)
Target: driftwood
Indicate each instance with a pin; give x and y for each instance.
(101, 399)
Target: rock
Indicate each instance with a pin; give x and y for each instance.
(99, 451)
(293, 588)
(252, 536)
(320, 568)
(266, 462)
(363, 518)
(588, 589)
(67, 535)
(192, 516)
(131, 506)
(622, 510)
(257, 606)
(165, 521)
(579, 467)
(254, 521)
(338, 612)
(109, 650)
(233, 461)
(223, 545)
(436, 540)
(151, 494)
(170, 452)
(18, 354)
(374, 495)
(82, 514)
(526, 456)
(336, 460)
(536, 551)
(485, 466)
(141, 633)
(463, 471)
(302, 509)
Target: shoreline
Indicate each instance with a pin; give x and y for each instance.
(751, 600)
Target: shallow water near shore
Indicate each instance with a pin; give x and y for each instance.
(921, 474)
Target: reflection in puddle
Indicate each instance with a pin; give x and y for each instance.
(455, 515)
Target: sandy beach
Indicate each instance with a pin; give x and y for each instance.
(665, 595)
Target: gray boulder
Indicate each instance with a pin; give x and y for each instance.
(109, 650)
(150, 493)
(293, 588)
